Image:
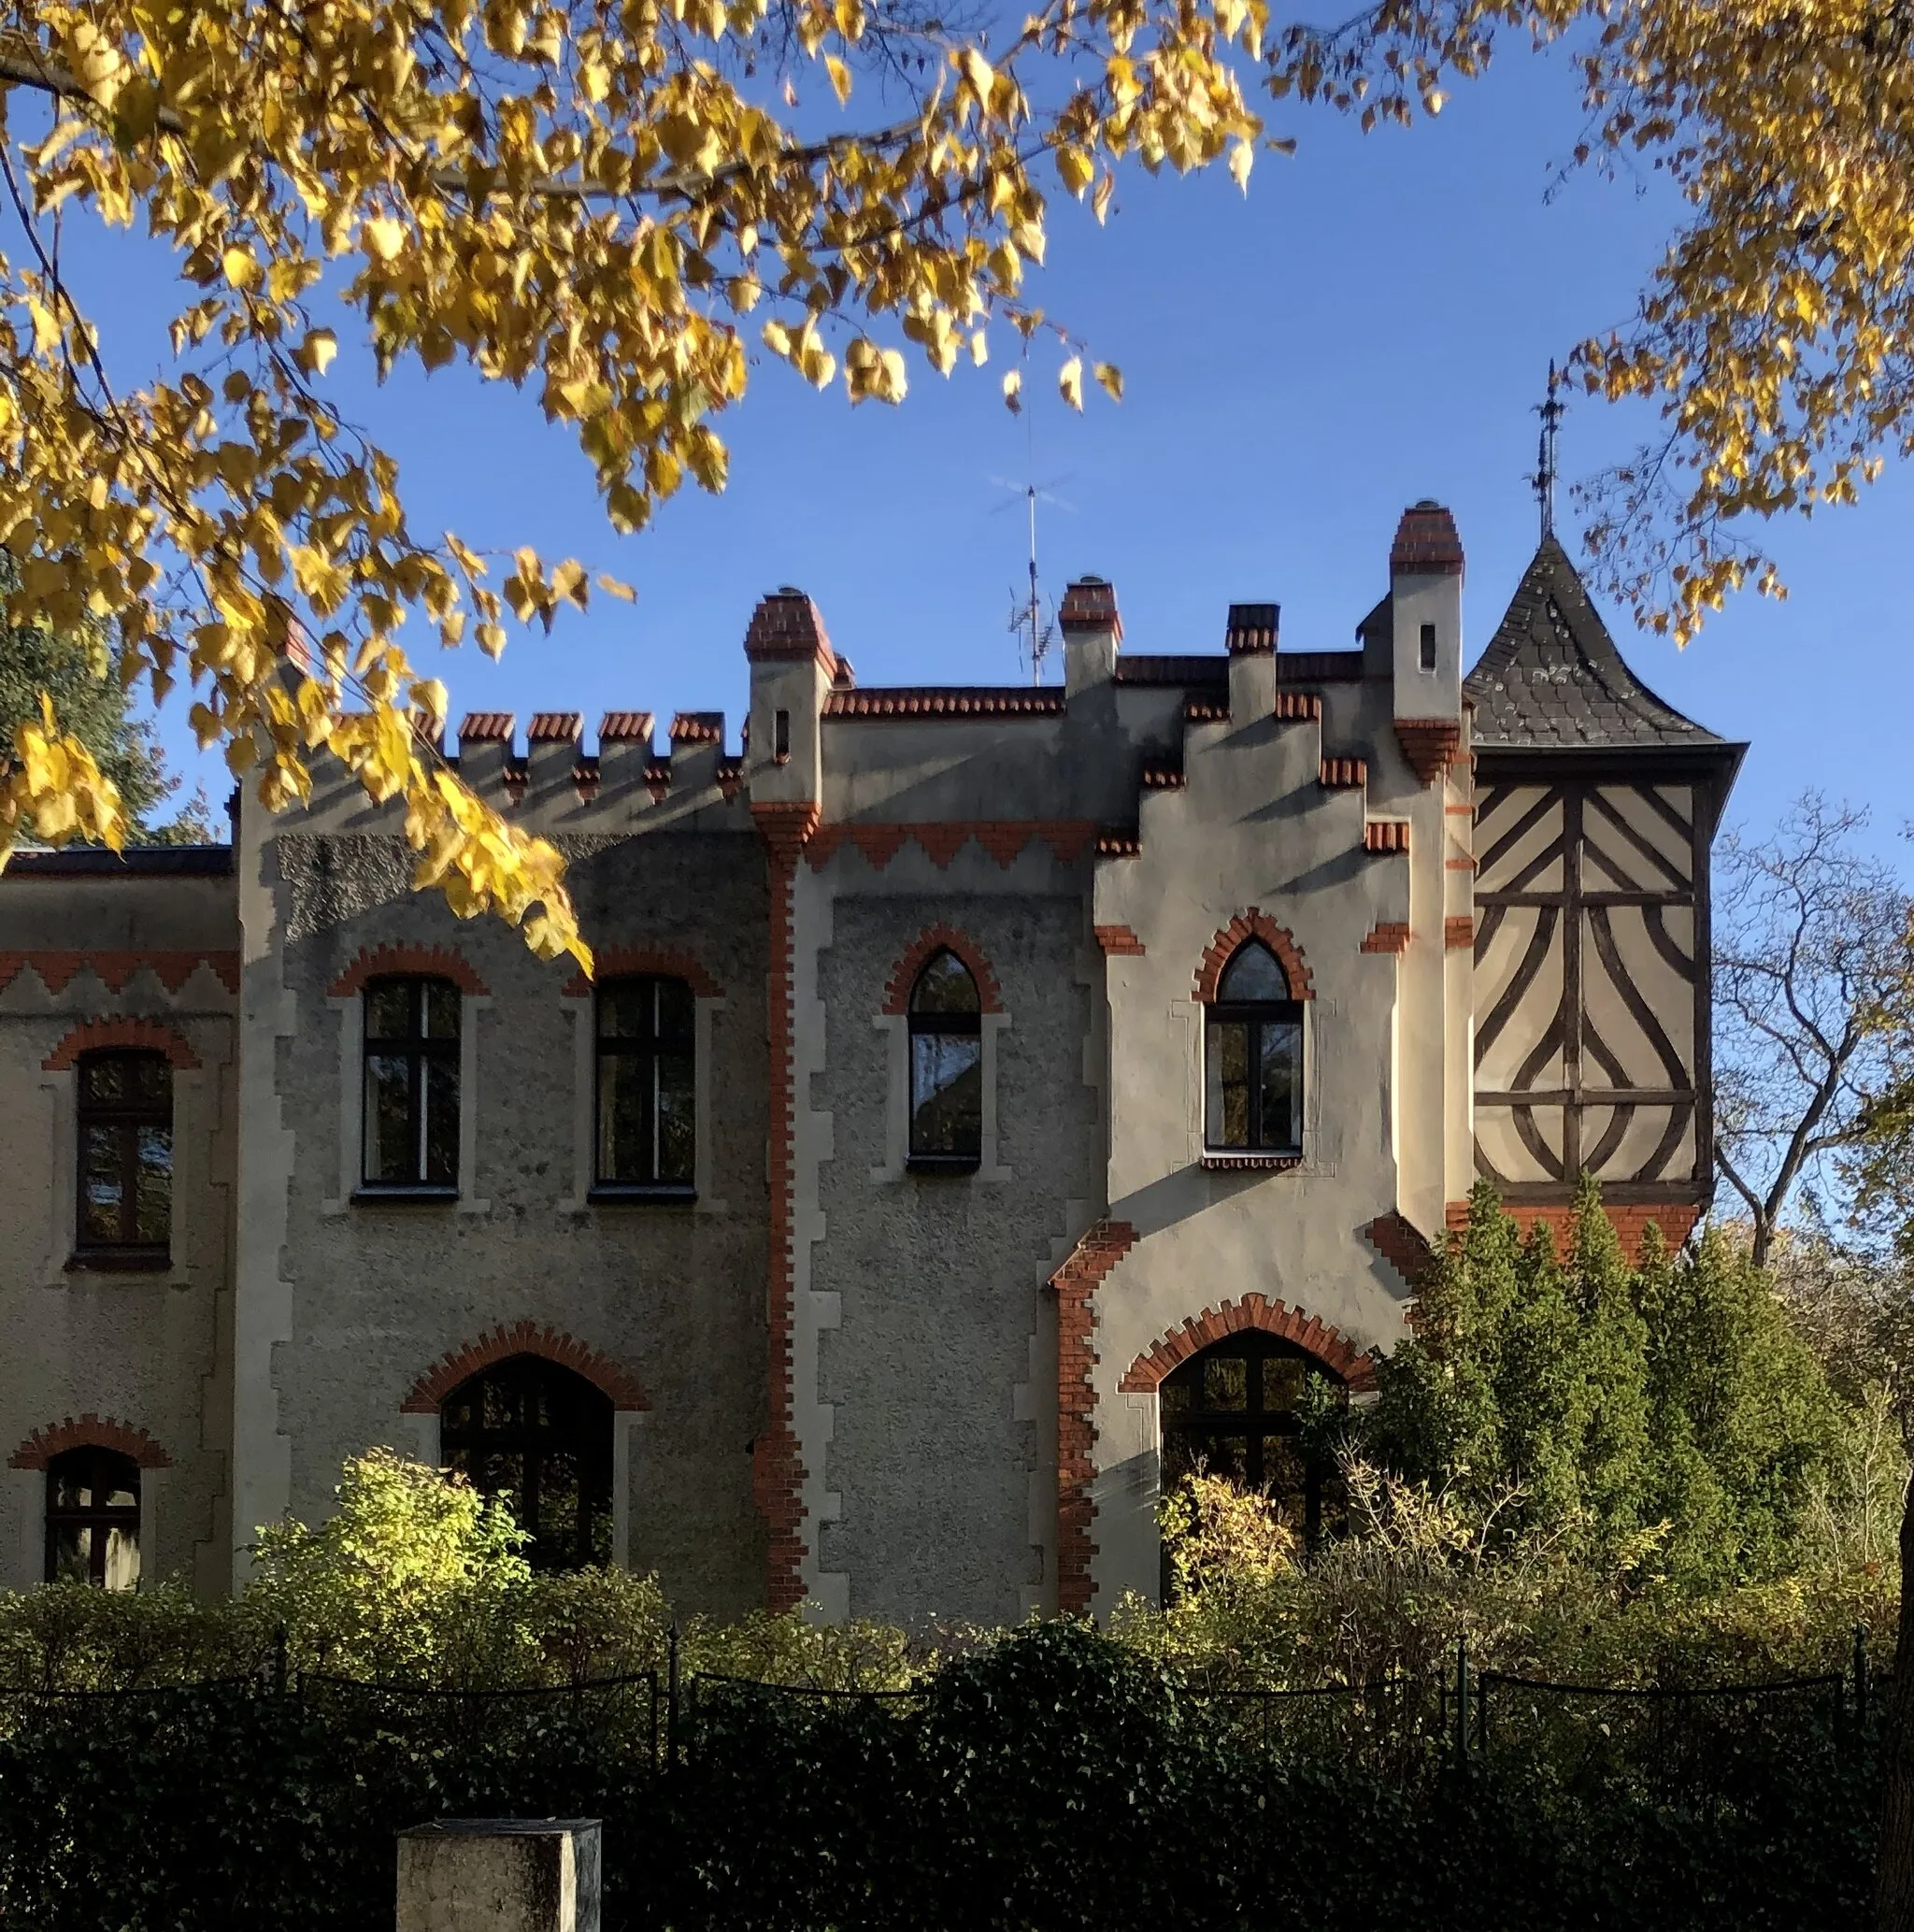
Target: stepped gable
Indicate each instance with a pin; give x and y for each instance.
(1552, 680)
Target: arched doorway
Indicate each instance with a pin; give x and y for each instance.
(1236, 1409)
(541, 1436)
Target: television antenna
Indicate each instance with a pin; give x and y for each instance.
(1035, 630)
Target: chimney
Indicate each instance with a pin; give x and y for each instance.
(1092, 633)
(485, 749)
(1425, 575)
(1250, 640)
(793, 670)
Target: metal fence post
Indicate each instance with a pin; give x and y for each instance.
(671, 1709)
(1462, 1703)
(1861, 1679)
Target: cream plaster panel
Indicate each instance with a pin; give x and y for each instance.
(1498, 817)
(1641, 970)
(1506, 948)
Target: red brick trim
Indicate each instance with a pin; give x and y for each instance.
(1400, 1243)
(1342, 774)
(1431, 745)
(88, 1431)
(1425, 543)
(432, 962)
(937, 938)
(114, 969)
(1676, 1220)
(1253, 925)
(1330, 1346)
(1118, 940)
(777, 1471)
(1458, 932)
(1386, 835)
(92, 1036)
(1386, 936)
(788, 628)
(672, 962)
(522, 1338)
(942, 840)
(1092, 1258)
(1294, 706)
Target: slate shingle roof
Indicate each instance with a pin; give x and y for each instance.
(1551, 677)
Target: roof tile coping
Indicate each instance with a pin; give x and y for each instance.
(478, 726)
(945, 701)
(698, 728)
(550, 1344)
(1251, 627)
(555, 728)
(1426, 543)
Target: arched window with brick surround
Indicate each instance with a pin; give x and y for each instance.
(1236, 1409)
(93, 1517)
(946, 1065)
(1252, 1055)
(540, 1435)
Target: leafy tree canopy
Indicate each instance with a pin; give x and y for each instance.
(612, 202)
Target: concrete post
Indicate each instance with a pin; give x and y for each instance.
(499, 1875)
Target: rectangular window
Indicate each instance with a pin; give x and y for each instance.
(125, 1122)
(1254, 1066)
(647, 1106)
(411, 1084)
(1428, 647)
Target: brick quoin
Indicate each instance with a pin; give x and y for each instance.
(1459, 933)
(1386, 936)
(522, 1338)
(777, 1471)
(1092, 1258)
(668, 962)
(95, 1035)
(1253, 925)
(942, 939)
(1117, 941)
(1429, 745)
(114, 969)
(1676, 1220)
(1401, 1245)
(88, 1431)
(428, 962)
(1330, 1346)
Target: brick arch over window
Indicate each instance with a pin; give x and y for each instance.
(1330, 1346)
(1253, 925)
(90, 1035)
(669, 962)
(522, 1338)
(429, 962)
(942, 939)
(88, 1431)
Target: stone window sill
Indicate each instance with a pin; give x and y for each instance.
(667, 1195)
(119, 1261)
(954, 1164)
(404, 1197)
(1219, 1161)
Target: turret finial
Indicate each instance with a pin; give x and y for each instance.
(1544, 479)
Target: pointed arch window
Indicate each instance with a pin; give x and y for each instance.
(946, 1066)
(1253, 1058)
(540, 1435)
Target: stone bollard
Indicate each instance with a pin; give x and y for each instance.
(499, 1875)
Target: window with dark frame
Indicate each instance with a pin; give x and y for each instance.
(945, 1017)
(92, 1518)
(124, 1115)
(1235, 1410)
(412, 1086)
(647, 1136)
(540, 1435)
(1253, 1058)
(1428, 644)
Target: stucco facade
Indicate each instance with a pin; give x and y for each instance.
(834, 1370)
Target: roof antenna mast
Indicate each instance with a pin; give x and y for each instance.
(1544, 478)
(1033, 631)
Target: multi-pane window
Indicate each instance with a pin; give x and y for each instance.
(125, 1120)
(946, 1065)
(92, 1518)
(1235, 1410)
(541, 1436)
(646, 1103)
(1253, 1058)
(411, 1084)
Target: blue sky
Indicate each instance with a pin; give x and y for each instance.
(1370, 325)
